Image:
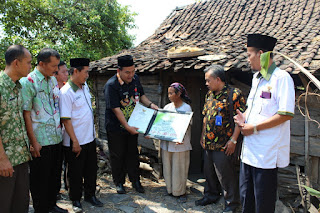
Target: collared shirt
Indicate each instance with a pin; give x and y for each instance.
(119, 94)
(215, 137)
(75, 104)
(186, 145)
(270, 148)
(267, 75)
(12, 127)
(41, 98)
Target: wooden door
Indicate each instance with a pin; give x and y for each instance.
(195, 84)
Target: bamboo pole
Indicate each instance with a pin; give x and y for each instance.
(303, 70)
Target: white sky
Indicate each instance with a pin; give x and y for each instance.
(151, 13)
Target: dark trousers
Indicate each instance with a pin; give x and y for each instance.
(219, 171)
(82, 171)
(124, 156)
(43, 178)
(14, 191)
(258, 189)
(59, 169)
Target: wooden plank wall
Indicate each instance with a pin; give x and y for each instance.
(99, 80)
(155, 86)
(153, 92)
(297, 133)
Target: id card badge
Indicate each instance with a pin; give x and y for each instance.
(218, 120)
(265, 95)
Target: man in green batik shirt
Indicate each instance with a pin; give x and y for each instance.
(40, 93)
(14, 143)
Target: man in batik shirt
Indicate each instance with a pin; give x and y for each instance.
(40, 94)
(121, 93)
(14, 143)
(219, 140)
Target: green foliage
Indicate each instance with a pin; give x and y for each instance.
(75, 28)
(312, 191)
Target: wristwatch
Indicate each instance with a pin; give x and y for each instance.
(255, 130)
(233, 141)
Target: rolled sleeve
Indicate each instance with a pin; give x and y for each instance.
(28, 93)
(286, 96)
(65, 104)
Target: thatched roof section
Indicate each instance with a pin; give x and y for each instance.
(221, 26)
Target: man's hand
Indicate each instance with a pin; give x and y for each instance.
(35, 149)
(247, 129)
(76, 148)
(132, 130)
(239, 119)
(6, 169)
(179, 143)
(229, 147)
(153, 106)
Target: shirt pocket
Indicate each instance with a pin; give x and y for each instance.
(268, 107)
(79, 103)
(8, 107)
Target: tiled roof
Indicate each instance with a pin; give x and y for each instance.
(221, 26)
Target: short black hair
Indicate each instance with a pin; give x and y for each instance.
(71, 70)
(14, 52)
(256, 49)
(45, 54)
(61, 63)
(216, 71)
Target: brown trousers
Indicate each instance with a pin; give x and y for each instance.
(14, 191)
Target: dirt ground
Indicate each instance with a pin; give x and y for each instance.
(155, 199)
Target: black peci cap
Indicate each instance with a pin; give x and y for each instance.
(125, 61)
(79, 62)
(261, 41)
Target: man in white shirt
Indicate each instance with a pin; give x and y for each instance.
(266, 127)
(79, 137)
(62, 78)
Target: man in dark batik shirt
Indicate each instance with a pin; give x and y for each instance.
(122, 92)
(219, 140)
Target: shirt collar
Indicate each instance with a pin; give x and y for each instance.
(73, 85)
(8, 81)
(221, 92)
(39, 75)
(267, 75)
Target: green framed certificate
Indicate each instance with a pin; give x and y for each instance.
(160, 124)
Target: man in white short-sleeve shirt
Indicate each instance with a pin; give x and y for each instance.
(79, 137)
(266, 127)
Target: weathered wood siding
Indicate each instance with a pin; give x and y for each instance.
(152, 89)
(155, 86)
(298, 133)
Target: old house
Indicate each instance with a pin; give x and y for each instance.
(220, 28)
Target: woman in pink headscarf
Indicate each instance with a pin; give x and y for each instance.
(176, 156)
